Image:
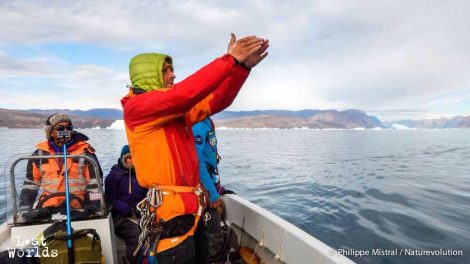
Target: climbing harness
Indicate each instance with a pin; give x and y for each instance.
(151, 230)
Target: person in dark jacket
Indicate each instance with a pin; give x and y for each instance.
(123, 193)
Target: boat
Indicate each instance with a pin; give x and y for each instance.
(272, 238)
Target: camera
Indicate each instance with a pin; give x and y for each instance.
(64, 134)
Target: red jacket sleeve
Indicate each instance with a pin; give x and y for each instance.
(166, 104)
(221, 98)
(228, 90)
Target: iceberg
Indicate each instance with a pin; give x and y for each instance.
(399, 127)
(118, 124)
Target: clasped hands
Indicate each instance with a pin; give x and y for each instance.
(249, 50)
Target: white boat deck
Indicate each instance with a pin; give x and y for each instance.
(274, 239)
(20, 236)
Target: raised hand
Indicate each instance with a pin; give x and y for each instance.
(258, 56)
(233, 39)
(243, 48)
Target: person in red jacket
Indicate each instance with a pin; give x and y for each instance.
(158, 116)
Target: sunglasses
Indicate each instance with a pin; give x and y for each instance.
(62, 128)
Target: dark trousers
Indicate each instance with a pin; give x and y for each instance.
(208, 236)
(129, 232)
(183, 253)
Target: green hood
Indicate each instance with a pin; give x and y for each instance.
(145, 70)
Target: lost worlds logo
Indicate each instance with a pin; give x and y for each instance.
(34, 248)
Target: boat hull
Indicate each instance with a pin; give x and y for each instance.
(280, 240)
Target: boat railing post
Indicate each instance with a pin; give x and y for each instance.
(98, 179)
(13, 189)
(14, 193)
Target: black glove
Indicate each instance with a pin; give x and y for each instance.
(38, 214)
(92, 207)
(228, 192)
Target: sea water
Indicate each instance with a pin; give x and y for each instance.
(383, 196)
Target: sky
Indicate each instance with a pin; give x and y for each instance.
(400, 59)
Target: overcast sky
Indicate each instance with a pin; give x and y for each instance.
(393, 59)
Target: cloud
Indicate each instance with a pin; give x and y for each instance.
(14, 67)
(323, 54)
(93, 72)
(60, 84)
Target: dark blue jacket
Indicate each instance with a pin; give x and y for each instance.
(118, 194)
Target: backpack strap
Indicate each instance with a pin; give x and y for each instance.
(76, 235)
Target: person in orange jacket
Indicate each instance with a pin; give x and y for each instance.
(158, 116)
(48, 174)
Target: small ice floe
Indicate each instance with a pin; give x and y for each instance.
(399, 127)
(118, 124)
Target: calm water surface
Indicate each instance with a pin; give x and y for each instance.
(360, 190)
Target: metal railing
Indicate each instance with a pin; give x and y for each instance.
(89, 159)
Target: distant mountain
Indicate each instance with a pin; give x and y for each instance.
(305, 118)
(287, 113)
(456, 122)
(465, 123)
(311, 118)
(28, 119)
(35, 118)
(103, 113)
